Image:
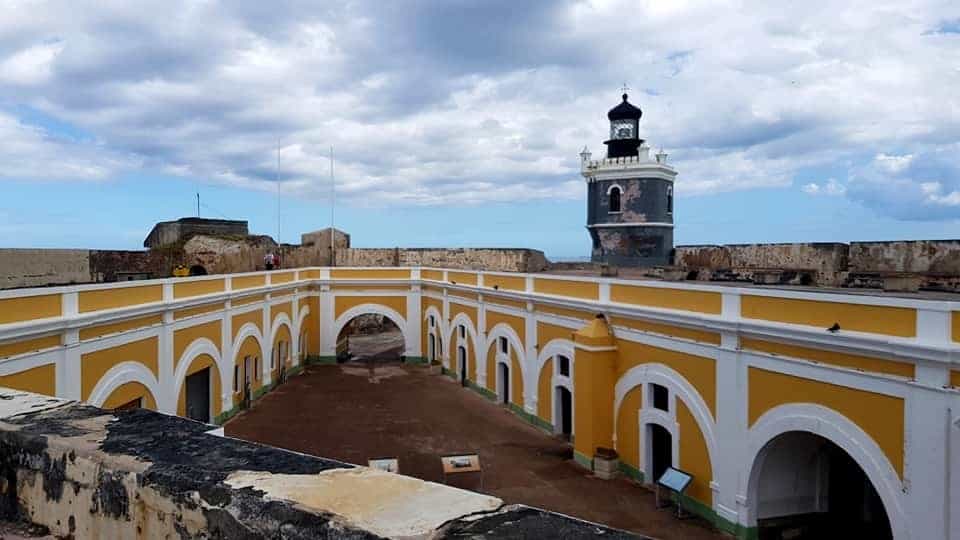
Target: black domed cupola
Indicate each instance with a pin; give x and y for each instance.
(624, 135)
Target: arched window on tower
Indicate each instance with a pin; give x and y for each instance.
(614, 194)
(670, 199)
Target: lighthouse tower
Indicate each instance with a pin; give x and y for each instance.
(629, 196)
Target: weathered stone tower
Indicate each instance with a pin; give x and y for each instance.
(629, 196)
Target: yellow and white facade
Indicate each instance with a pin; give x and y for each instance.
(747, 382)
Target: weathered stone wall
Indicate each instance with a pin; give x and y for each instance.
(42, 267)
(228, 255)
(491, 259)
(173, 232)
(921, 256)
(825, 257)
(83, 472)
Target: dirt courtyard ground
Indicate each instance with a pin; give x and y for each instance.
(353, 413)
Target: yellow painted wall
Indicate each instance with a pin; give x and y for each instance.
(852, 361)
(699, 301)
(469, 311)
(562, 287)
(697, 370)
(594, 373)
(200, 363)
(123, 326)
(955, 379)
(277, 309)
(41, 380)
(628, 428)
(255, 317)
(462, 278)
(199, 310)
(548, 332)
(701, 336)
(372, 273)
(880, 416)
(694, 456)
(13, 348)
(494, 318)
(563, 312)
(309, 274)
(95, 364)
(118, 297)
(283, 334)
(435, 275)
(516, 379)
(955, 323)
(251, 299)
(127, 392)
(276, 278)
(185, 289)
(249, 347)
(396, 303)
(510, 283)
(248, 282)
(369, 289)
(185, 336)
(311, 326)
(891, 321)
(490, 299)
(29, 308)
(492, 369)
(545, 391)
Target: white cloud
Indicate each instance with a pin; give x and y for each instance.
(30, 66)
(436, 103)
(831, 187)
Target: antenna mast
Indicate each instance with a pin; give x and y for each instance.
(279, 244)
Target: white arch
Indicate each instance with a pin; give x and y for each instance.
(196, 348)
(247, 330)
(120, 374)
(838, 429)
(437, 331)
(679, 386)
(554, 347)
(296, 345)
(377, 309)
(505, 330)
(614, 185)
(464, 319)
(279, 321)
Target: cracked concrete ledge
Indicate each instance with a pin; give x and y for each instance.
(89, 473)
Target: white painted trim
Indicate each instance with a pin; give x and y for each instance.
(122, 373)
(199, 347)
(464, 319)
(838, 429)
(631, 224)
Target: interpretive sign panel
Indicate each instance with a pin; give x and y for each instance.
(385, 464)
(674, 479)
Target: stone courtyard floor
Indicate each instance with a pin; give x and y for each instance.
(354, 412)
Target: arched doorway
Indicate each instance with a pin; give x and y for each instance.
(808, 487)
(462, 365)
(503, 383)
(563, 412)
(370, 337)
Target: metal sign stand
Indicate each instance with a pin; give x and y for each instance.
(676, 481)
(461, 463)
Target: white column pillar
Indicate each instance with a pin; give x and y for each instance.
(413, 332)
(68, 362)
(326, 318)
(481, 354)
(167, 401)
(266, 348)
(530, 384)
(226, 356)
(731, 374)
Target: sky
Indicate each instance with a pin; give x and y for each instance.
(456, 123)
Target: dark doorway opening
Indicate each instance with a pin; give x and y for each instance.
(198, 270)
(811, 488)
(661, 450)
(503, 377)
(462, 364)
(565, 409)
(432, 348)
(198, 396)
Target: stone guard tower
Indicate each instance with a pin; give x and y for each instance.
(629, 196)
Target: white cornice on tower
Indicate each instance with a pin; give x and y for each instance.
(624, 167)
